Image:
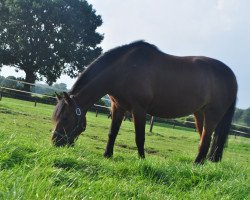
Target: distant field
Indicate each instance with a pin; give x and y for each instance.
(30, 168)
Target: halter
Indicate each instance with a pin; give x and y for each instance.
(78, 109)
(78, 113)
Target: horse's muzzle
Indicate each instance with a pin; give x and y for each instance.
(60, 140)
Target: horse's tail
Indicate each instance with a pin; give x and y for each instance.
(221, 134)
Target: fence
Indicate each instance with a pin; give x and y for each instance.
(235, 130)
(42, 98)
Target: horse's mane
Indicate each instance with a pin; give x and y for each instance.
(105, 60)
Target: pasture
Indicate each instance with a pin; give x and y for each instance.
(30, 168)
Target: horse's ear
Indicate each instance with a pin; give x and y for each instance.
(66, 97)
(58, 97)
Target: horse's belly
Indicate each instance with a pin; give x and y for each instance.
(174, 109)
(167, 113)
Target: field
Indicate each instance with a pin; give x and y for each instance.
(31, 168)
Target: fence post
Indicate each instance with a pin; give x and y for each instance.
(151, 124)
(35, 103)
(110, 115)
(96, 112)
(173, 125)
(0, 96)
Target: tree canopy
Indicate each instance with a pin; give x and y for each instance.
(48, 38)
(242, 117)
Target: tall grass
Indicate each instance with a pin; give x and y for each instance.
(30, 168)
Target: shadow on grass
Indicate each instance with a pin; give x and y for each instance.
(14, 155)
(70, 164)
(6, 110)
(185, 176)
(170, 176)
(148, 150)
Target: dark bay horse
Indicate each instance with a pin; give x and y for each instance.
(141, 79)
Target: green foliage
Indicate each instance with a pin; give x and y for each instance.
(246, 117)
(30, 168)
(49, 90)
(101, 102)
(44, 93)
(242, 117)
(60, 86)
(11, 82)
(48, 38)
(39, 88)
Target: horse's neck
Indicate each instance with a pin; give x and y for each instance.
(92, 92)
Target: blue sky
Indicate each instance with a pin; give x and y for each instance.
(215, 28)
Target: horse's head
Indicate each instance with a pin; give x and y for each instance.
(69, 121)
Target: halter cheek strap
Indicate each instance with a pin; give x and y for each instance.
(78, 109)
(78, 113)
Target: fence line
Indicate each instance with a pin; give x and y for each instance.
(37, 94)
(240, 125)
(29, 106)
(19, 81)
(106, 107)
(22, 91)
(38, 85)
(32, 84)
(103, 98)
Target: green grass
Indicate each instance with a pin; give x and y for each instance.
(30, 168)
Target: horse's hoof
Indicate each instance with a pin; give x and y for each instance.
(199, 161)
(214, 159)
(107, 155)
(142, 157)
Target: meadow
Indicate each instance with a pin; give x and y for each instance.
(31, 168)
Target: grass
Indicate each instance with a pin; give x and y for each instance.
(30, 168)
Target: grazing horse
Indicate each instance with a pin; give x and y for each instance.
(141, 79)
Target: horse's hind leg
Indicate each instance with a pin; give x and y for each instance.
(117, 117)
(205, 139)
(199, 120)
(221, 134)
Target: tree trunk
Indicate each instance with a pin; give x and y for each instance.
(30, 78)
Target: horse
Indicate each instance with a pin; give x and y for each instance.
(141, 79)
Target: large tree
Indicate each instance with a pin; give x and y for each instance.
(47, 38)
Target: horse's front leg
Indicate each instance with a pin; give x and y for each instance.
(117, 117)
(140, 123)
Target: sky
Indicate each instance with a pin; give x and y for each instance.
(215, 28)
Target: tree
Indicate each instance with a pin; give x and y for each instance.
(13, 83)
(237, 115)
(246, 117)
(60, 86)
(48, 38)
(2, 78)
(242, 116)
